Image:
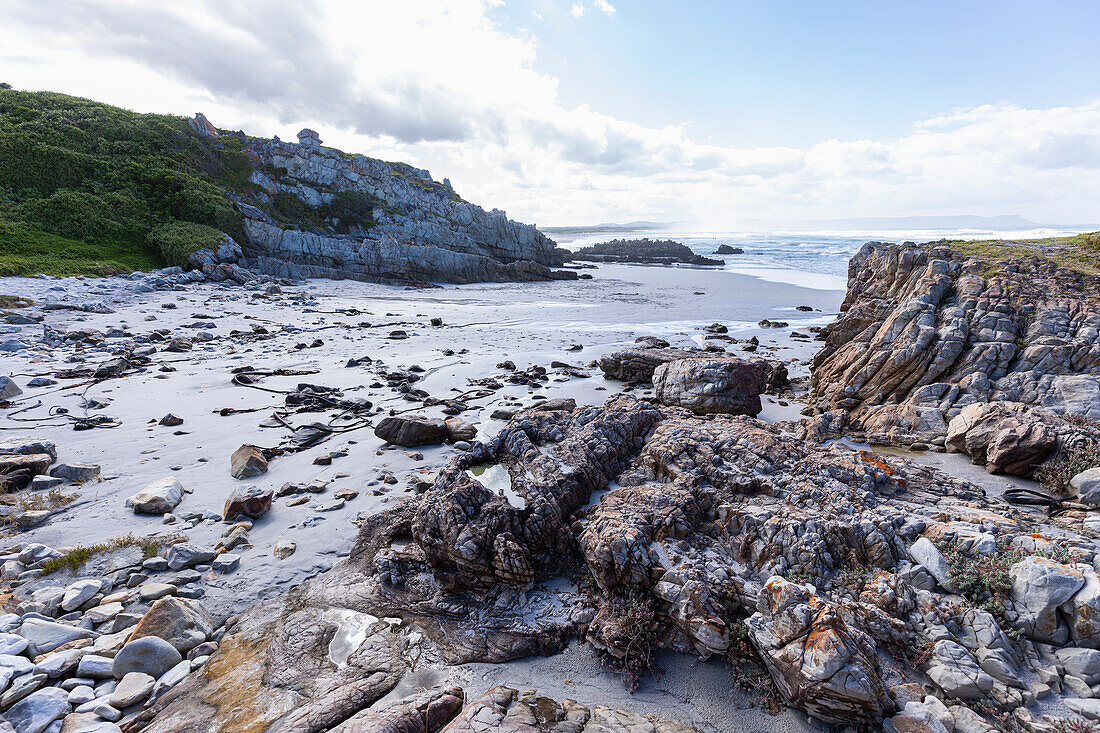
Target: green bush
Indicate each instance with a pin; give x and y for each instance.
(90, 188)
(175, 242)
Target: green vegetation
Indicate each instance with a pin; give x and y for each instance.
(176, 240)
(15, 301)
(1055, 473)
(1080, 252)
(984, 580)
(77, 556)
(86, 188)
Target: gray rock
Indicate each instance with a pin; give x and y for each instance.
(154, 591)
(80, 695)
(410, 431)
(159, 497)
(34, 713)
(1089, 708)
(186, 554)
(12, 643)
(79, 593)
(58, 664)
(78, 473)
(226, 562)
(45, 636)
(712, 386)
(20, 688)
(1086, 485)
(1039, 588)
(1081, 662)
(132, 689)
(9, 389)
(957, 673)
(152, 655)
(247, 461)
(931, 559)
(95, 667)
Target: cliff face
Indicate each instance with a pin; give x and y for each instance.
(927, 330)
(373, 220)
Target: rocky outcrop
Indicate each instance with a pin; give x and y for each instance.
(320, 212)
(926, 332)
(712, 386)
(637, 365)
(643, 251)
(713, 535)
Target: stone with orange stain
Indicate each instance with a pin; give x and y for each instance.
(819, 662)
(1039, 588)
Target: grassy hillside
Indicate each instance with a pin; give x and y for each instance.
(86, 188)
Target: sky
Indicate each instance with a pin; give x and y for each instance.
(565, 112)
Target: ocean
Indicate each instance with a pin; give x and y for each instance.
(809, 259)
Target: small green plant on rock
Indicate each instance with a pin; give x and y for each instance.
(748, 669)
(637, 632)
(984, 580)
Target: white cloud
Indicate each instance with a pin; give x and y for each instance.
(443, 87)
(606, 7)
(578, 10)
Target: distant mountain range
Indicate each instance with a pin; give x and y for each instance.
(995, 223)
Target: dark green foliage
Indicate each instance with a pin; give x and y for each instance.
(1055, 473)
(175, 241)
(83, 184)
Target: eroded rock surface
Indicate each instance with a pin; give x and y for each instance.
(728, 537)
(926, 333)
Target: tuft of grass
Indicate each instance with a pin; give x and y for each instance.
(984, 580)
(75, 558)
(1056, 472)
(15, 301)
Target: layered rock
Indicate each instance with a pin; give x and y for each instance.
(361, 218)
(925, 332)
(643, 251)
(688, 528)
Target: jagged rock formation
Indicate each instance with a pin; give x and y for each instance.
(827, 559)
(320, 212)
(926, 331)
(638, 365)
(643, 251)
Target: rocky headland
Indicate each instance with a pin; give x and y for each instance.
(643, 251)
(678, 507)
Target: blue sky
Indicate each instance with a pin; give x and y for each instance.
(581, 111)
(795, 73)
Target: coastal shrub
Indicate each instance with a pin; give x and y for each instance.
(636, 620)
(100, 180)
(1056, 472)
(748, 669)
(176, 241)
(984, 580)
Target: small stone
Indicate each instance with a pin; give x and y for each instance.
(248, 501)
(132, 689)
(155, 591)
(171, 420)
(226, 562)
(284, 549)
(247, 461)
(159, 497)
(95, 666)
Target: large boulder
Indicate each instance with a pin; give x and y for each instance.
(159, 497)
(1006, 438)
(182, 622)
(1086, 486)
(710, 386)
(1039, 589)
(957, 673)
(820, 663)
(410, 431)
